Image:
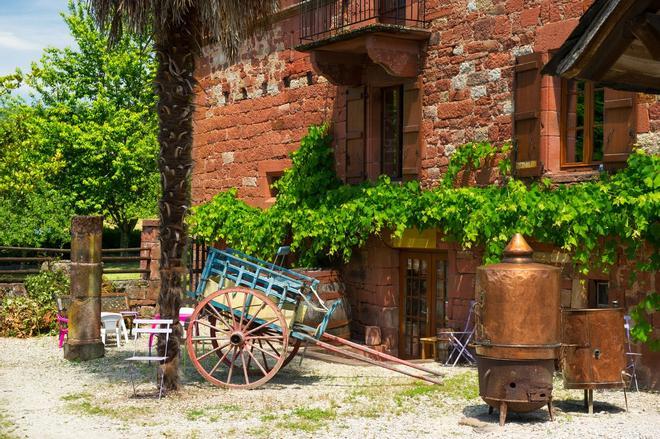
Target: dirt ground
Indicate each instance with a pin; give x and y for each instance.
(44, 396)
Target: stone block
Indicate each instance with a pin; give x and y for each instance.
(372, 335)
(83, 351)
(86, 279)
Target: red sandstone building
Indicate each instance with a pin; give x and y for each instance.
(404, 83)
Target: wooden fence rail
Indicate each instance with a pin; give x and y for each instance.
(20, 266)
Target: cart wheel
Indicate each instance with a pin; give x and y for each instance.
(247, 328)
(292, 350)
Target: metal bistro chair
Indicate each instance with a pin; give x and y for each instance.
(631, 356)
(151, 326)
(459, 340)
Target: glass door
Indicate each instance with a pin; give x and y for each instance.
(422, 296)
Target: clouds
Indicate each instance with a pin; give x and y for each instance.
(9, 40)
(26, 28)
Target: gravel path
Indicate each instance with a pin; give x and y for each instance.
(44, 396)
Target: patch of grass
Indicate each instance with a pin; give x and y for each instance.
(195, 414)
(315, 414)
(85, 407)
(79, 403)
(418, 389)
(7, 427)
(461, 386)
(304, 419)
(75, 396)
(268, 417)
(227, 407)
(259, 432)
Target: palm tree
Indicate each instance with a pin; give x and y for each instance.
(179, 28)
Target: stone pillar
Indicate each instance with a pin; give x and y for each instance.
(84, 341)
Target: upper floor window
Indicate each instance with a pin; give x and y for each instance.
(582, 123)
(382, 134)
(563, 124)
(391, 148)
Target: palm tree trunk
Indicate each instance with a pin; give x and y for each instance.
(175, 83)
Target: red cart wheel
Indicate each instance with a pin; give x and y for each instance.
(247, 328)
(292, 350)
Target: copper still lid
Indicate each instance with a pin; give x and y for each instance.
(517, 251)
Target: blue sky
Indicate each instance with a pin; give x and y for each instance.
(26, 27)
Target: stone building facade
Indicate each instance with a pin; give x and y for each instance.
(404, 83)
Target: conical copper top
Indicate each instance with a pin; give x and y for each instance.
(517, 250)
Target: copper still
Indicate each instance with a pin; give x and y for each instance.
(592, 352)
(517, 330)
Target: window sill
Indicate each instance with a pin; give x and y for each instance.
(573, 176)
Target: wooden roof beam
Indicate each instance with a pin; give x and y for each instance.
(647, 30)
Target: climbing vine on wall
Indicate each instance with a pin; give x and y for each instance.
(325, 220)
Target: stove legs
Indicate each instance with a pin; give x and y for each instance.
(552, 416)
(503, 409)
(589, 400)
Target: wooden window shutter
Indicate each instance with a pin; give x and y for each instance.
(355, 134)
(619, 125)
(527, 115)
(412, 119)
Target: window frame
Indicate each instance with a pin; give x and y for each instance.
(400, 89)
(588, 128)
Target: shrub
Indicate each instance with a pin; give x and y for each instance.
(20, 316)
(25, 316)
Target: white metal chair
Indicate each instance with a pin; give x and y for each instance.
(631, 356)
(459, 340)
(150, 326)
(113, 323)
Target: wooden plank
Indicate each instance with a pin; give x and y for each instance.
(37, 249)
(124, 270)
(26, 259)
(648, 36)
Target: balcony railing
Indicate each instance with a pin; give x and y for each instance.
(321, 19)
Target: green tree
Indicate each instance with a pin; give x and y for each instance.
(180, 29)
(96, 111)
(32, 211)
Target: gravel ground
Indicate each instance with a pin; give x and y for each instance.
(44, 396)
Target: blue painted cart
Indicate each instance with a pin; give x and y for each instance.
(250, 321)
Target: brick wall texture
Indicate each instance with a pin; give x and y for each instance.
(252, 113)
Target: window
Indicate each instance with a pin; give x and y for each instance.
(599, 296)
(382, 134)
(271, 178)
(391, 149)
(583, 116)
(594, 125)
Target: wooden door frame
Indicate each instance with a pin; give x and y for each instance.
(431, 299)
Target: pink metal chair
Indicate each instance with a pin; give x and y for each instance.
(63, 324)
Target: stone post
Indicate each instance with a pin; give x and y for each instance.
(84, 341)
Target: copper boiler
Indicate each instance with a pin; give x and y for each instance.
(592, 352)
(517, 330)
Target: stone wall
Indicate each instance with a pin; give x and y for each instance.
(251, 115)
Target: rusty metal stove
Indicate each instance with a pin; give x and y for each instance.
(517, 332)
(592, 351)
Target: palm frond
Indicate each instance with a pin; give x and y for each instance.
(225, 22)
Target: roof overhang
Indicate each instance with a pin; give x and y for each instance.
(616, 43)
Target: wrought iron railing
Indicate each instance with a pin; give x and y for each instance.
(321, 19)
